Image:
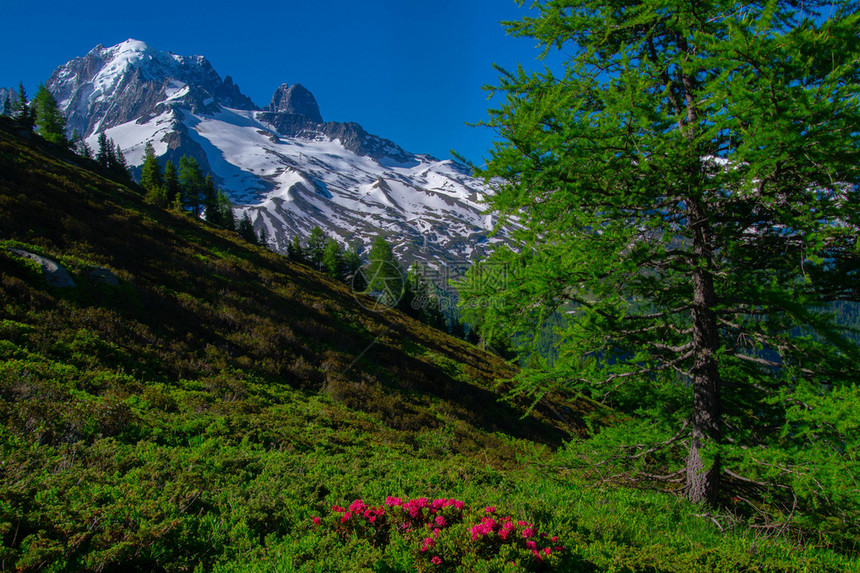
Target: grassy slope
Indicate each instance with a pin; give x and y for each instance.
(201, 412)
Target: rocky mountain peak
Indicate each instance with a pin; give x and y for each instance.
(295, 99)
(111, 86)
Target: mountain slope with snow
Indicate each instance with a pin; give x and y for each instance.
(282, 164)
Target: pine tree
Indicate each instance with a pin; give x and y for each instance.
(118, 163)
(151, 177)
(263, 237)
(352, 274)
(191, 183)
(50, 123)
(419, 299)
(332, 259)
(22, 112)
(384, 277)
(246, 229)
(688, 190)
(210, 203)
(103, 152)
(172, 188)
(225, 207)
(295, 251)
(315, 248)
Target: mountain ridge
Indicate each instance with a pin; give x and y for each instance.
(273, 160)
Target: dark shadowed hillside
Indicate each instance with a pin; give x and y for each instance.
(200, 346)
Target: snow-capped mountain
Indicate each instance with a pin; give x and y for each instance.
(282, 163)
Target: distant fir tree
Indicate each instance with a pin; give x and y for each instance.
(315, 248)
(295, 251)
(384, 277)
(119, 167)
(50, 123)
(21, 110)
(352, 274)
(263, 237)
(110, 156)
(225, 208)
(246, 229)
(80, 146)
(172, 189)
(210, 202)
(419, 299)
(332, 260)
(151, 177)
(191, 183)
(103, 151)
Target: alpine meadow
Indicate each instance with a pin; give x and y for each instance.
(239, 338)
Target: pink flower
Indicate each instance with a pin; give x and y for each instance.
(436, 560)
(528, 532)
(393, 501)
(440, 521)
(316, 520)
(554, 538)
(490, 509)
(357, 506)
(345, 517)
(547, 551)
(531, 545)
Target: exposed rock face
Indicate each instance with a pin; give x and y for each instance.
(295, 99)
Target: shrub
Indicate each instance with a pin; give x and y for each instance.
(445, 535)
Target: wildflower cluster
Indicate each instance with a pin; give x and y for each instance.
(366, 522)
(492, 533)
(445, 535)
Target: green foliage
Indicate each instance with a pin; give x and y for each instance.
(22, 111)
(384, 276)
(419, 300)
(245, 229)
(171, 184)
(688, 189)
(332, 259)
(111, 158)
(192, 184)
(294, 250)
(151, 177)
(50, 122)
(315, 248)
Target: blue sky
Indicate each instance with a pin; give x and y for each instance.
(408, 70)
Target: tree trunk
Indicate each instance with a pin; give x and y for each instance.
(703, 482)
